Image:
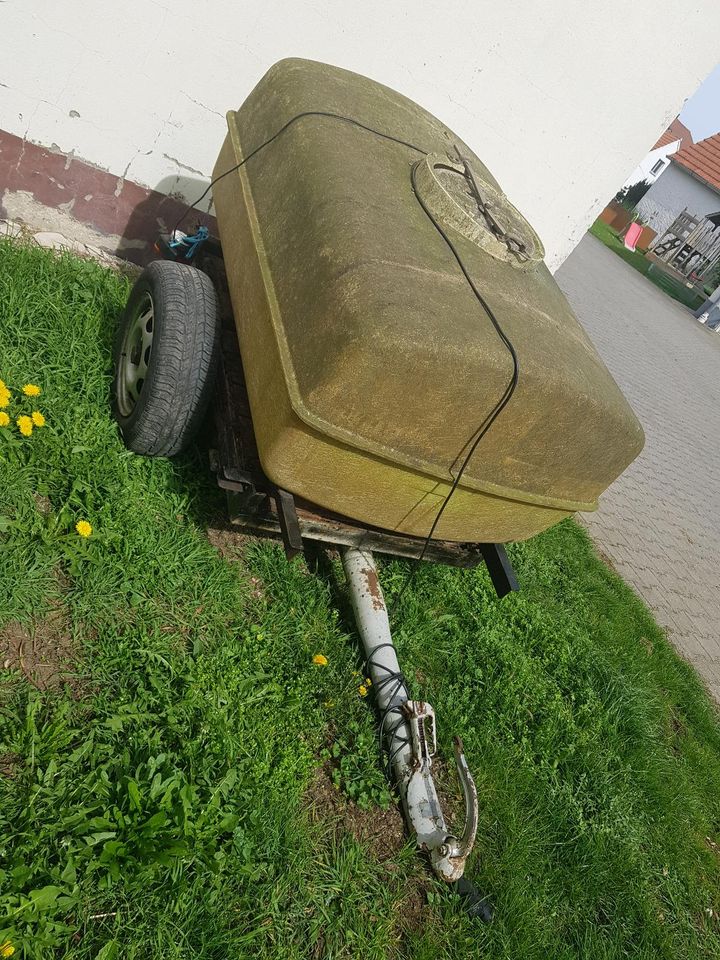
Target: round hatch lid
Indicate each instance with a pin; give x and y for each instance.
(459, 197)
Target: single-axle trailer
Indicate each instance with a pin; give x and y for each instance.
(392, 368)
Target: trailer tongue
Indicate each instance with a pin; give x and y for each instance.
(408, 728)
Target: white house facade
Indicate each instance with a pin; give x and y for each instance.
(691, 182)
(677, 191)
(656, 162)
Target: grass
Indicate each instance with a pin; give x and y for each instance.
(639, 261)
(157, 805)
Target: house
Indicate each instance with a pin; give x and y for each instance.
(691, 183)
(657, 160)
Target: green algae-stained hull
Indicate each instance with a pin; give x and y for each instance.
(369, 361)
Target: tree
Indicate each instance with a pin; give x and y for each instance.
(630, 196)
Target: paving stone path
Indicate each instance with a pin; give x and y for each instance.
(659, 524)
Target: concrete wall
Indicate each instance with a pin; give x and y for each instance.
(545, 90)
(671, 194)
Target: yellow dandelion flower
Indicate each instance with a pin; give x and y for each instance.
(37, 418)
(4, 419)
(368, 682)
(4, 397)
(83, 528)
(31, 390)
(7, 949)
(25, 424)
(363, 690)
(320, 660)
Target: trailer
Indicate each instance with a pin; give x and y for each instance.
(354, 339)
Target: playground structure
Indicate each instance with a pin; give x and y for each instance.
(690, 248)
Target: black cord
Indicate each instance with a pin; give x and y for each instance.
(471, 446)
(482, 430)
(396, 678)
(291, 121)
(489, 419)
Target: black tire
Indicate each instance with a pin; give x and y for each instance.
(165, 359)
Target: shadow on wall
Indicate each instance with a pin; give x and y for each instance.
(50, 191)
(157, 212)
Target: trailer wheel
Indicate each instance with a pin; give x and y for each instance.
(166, 354)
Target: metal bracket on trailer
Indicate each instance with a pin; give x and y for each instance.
(289, 526)
(500, 569)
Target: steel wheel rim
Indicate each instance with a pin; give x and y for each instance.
(135, 355)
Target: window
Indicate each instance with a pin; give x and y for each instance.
(658, 167)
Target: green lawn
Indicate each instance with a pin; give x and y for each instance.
(165, 801)
(639, 261)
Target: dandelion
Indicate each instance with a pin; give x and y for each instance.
(4, 419)
(368, 682)
(25, 425)
(31, 390)
(320, 660)
(83, 528)
(7, 949)
(4, 396)
(37, 418)
(363, 690)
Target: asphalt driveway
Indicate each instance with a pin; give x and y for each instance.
(659, 524)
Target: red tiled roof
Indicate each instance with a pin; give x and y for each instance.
(676, 131)
(702, 159)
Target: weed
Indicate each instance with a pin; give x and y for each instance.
(354, 757)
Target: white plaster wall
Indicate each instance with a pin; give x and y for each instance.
(545, 90)
(643, 170)
(671, 194)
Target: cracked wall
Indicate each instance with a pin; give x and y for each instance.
(546, 92)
